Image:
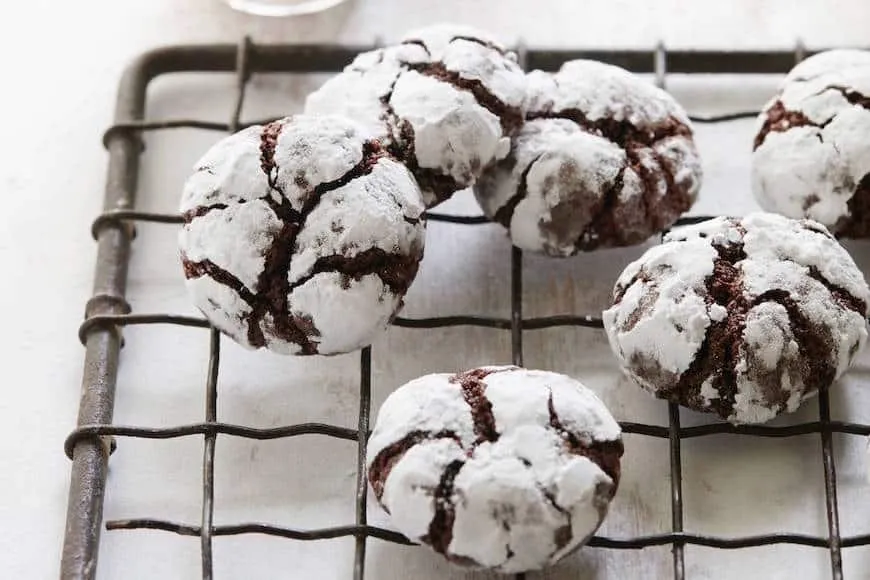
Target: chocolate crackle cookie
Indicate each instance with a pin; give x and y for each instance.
(496, 467)
(604, 159)
(301, 236)
(812, 150)
(745, 318)
(445, 101)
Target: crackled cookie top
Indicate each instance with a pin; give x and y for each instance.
(445, 101)
(496, 467)
(604, 159)
(812, 152)
(301, 236)
(744, 318)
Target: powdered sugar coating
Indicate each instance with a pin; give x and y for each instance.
(446, 101)
(744, 318)
(602, 91)
(604, 159)
(476, 55)
(674, 329)
(507, 442)
(363, 91)
(812, 155)
(301, 236)
(205, 238)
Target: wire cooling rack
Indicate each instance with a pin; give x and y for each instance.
(107, 312)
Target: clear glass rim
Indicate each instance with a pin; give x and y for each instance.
(264, 8)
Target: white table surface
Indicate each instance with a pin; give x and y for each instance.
(60, 63)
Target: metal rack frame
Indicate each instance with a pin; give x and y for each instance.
(107, 312)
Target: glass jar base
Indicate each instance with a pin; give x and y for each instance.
(282, 7)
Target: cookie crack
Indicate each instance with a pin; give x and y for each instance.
(481, 42)
(620, 132)
(732, 297)
(779, 119)
(440, 185)
(851, 95)
(563, 534)
(272, 294)
(372, 153)
(633, 140)
(474, 393)
(813, 347)
(510, 117)
(396, 271)
(440, 532)
(604, 454)
(619, 292)
(392, 121)
(647, 178)
(504, 215)
(193, 270)
(268, 143)
(588, 239)
(841, 296)
(402, 147)
(273, 285)
(811, 227)
(201, 210)
(278, 207)
(418, 42)
(717, 357)
(644, 305)
(389, 456)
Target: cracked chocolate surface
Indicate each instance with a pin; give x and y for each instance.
(453, 141)
(390, 455)
(578, 200)
(438, 185)
(271, 313)
(815, 167)
(718, 356)
(778, 118)
(485, 431)
(510, 117)
(605, 228)
(505, 213)
(768, 348)
(474, 393)
(604, 454)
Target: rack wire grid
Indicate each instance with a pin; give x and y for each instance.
(107, 312)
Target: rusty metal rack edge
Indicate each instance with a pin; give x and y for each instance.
(90, 445)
